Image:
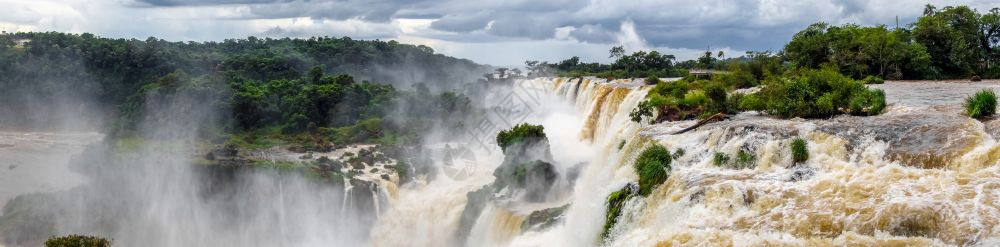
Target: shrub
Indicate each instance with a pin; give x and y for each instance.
(652, 80)
(716, 92)
(615, 202)
(800, 153)
(678, 153)
(695, 98)
(869, 102)
(732, 105)
(676, 89)
(815, 94)
(873, 80)
(982, 104)
(621, 145)
(521, 133)
(745, 159)
(738, 78)
(644, 109)
(77, 241)
(720, 159)
(653, 167)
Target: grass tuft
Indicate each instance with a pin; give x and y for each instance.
(983, 104)
(745, 159)
(720, 159)
(800, 153)
(77, 241)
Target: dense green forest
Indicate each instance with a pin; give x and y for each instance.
(954, 42)
(342, 90)
(286, 84)
(822, 71)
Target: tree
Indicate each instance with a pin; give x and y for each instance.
(315, 74)
(706, 61)
(515, 72)
(501, 73)
(929, 10)
(953, 38)
(617, 52)
(859, 51)
(809, 47)
(990, 27)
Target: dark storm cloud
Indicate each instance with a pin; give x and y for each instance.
(462, 22)
(170, 3)
(741, 25)
(514, 25)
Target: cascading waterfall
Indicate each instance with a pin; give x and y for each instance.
(868, 181)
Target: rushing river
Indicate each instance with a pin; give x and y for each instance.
(919, 174)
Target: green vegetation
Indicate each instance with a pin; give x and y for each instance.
(77, 241)
(873, 80)
(690, 97)
(805, 93)
(653, 167)
(800, 153)
(720, 159)
(983, 104)
(621, 145)
(948, 43)
(815, 94)
(261, 81)
(640, 64)
(815, 75)
(678, 153)
(745, 159)
(616, 200)
(520, 134)
(858, 51)
(542, 219)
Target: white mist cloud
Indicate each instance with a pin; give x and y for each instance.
(629, 38)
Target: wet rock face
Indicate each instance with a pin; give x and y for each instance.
(993, 127)
(929, 139)
(527, 168)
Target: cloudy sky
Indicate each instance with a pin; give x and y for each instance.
(498, 32)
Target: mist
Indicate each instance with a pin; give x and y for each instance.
(155, 196)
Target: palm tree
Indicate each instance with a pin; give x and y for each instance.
(929, 10)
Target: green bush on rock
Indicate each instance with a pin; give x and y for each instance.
(615, 202)
(77, 241)
(720, 159)
(873, 80)
(519, 134)
(800, 153)
(982, 104)
(653, 167)
(815, 94)
(745, 159)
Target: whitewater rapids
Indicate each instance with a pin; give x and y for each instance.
(920, 174)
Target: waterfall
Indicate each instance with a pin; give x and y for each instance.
(906, 177)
